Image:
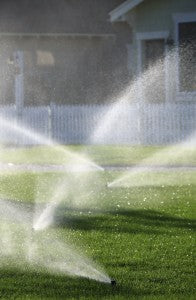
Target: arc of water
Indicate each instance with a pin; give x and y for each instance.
(41, 250)
(48, 142)
(168, 154)
(111, 117)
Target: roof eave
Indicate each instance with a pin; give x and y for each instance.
(118, 14)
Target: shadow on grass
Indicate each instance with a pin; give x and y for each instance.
(136, 282)
(18, 284)
(124, 221)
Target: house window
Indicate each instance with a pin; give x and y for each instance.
(154, 67)
(187, 56)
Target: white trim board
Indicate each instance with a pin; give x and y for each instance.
(118, 13)
(56, 35)
(184, 17)
(152, 35)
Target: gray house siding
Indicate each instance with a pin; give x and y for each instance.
(72, 53)
(70, 16)
(153, 15)
(156, 20)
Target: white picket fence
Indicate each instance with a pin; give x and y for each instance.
(98, 124)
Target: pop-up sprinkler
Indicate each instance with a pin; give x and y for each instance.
(113, 282)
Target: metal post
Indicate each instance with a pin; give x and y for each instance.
(19, 81)
(50, 121)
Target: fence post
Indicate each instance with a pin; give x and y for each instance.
(18, 62)
(139, 123)
(50, 120)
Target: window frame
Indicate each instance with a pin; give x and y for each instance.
(182, 18)
(140, 38)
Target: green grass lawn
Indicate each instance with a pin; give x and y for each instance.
(142, 235)
(104, 155)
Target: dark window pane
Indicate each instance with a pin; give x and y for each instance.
(187, 56)
(154, 65)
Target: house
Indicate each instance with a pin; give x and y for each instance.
(162, 51)
(68, 51)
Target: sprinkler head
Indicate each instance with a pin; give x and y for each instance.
(113, 282)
